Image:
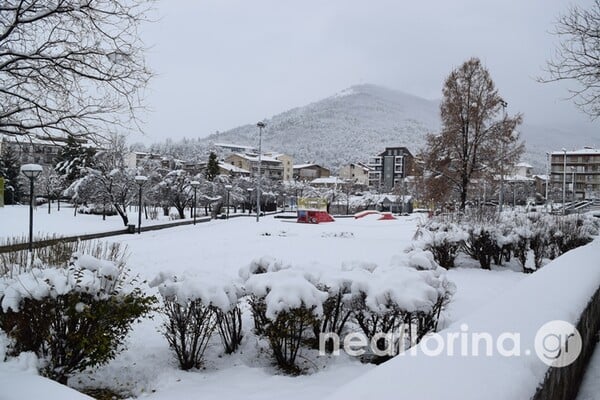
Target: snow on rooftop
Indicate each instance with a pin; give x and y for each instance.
(328, 180)
(237, 146)
(233, 168)
(255, 158)
(584, 151)
(300, 166)
(523, 164)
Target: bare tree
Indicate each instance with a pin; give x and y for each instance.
(577, 57)
(70, 66)
(474, 127)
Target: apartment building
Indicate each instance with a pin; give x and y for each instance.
(36, 150)
(579, 170)
(271, 167)
(287, 162)
(389, 168)
(356, 173)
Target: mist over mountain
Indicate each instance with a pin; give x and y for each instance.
(359, 122)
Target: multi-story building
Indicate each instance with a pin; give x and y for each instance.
(36, 150)
(579, 170)
(309, 172)
(140, 159)
(356, 173)
(271, 168)
(389, 168)
(287, 162)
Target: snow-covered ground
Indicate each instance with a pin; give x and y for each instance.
(14, 221)
(148, 368)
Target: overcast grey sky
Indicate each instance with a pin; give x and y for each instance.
(225, 63)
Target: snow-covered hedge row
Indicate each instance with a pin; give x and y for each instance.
(293, 305)
(375, 300)
(530, 238)
(71, 318)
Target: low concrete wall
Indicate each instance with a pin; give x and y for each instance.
(563, 383)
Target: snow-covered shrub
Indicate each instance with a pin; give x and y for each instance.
(196, 306)
(71, 318)
(286, 303)
(260, 266)
(406, 298)
(443, 239)
(341, 300)
(481, 245)
(573, 231)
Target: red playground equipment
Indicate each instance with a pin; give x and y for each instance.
(313, 211)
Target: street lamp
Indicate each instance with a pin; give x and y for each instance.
(195, 185)
(228, 187)
(140, 180)
(250, 190)
(564, 201)
(260, 125)
(573, 169)
(31, 171)
(548, 161)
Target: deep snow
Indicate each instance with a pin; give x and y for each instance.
(148, 368)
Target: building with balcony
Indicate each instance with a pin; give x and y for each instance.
(580, 172)
(271, 167)
(389, 168)
(356, 172)
(37, 150)
(287, 162)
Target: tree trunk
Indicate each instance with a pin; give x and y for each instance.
(181, 211)
(122, 213)
(49, 204)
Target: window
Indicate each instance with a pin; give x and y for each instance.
(375, 161)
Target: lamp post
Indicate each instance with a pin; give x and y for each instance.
(564, 200)
(195, 185)
(250, 190)
(140, 180)
(548, 161)
(228, 187)
(260, 125)
(573, 169)
(31, 171)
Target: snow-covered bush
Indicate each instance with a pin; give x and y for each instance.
(196, 306)
(406, 299)
(286, 304)
(71, 318)
(443, 239)
(288, 300)
(572, 231)
(528, 237)
(481, 245)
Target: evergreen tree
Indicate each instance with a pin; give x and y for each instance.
(212, 168)
(72, 158)
(10, 171)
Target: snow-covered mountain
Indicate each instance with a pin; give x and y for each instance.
(359, 122)
(349, 126)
